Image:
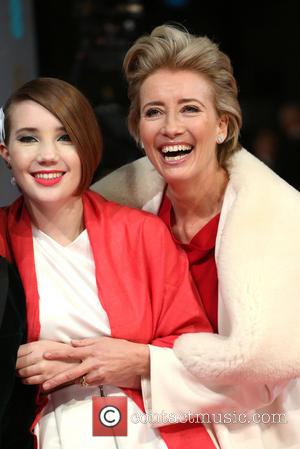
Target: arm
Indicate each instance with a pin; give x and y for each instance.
(173, 389)
(179, 312)
(275, 360)
(172, 307)
(105, 359)
(183, 393)
(102, 360)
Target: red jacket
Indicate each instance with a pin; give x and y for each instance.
(142, 279)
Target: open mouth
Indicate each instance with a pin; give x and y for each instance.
(48, 175)
(175, 152)
(48, 178)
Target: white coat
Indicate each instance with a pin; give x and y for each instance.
(249, 363)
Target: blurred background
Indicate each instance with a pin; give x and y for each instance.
(84, 42)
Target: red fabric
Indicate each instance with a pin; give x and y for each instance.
(201, 255)
(142, 281)
(4, 249)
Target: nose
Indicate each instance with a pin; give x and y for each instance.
(48, 153)
(172, 126)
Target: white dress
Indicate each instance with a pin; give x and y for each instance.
(70, 309)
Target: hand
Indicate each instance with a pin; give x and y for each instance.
(104, 360)
(33, 368)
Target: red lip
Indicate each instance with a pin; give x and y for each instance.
(47, 182)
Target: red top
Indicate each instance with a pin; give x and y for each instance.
(200, 252)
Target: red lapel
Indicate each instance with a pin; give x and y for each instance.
(20, 235)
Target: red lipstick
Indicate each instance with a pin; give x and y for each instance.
(46, 181)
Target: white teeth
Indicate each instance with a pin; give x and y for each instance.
(170, 148)
(174, 158)
(48, 175)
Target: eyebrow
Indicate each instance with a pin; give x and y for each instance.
(33, 130)
(181, 101)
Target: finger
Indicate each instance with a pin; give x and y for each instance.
(67, 376)
(29, 371)
(67, 355)
(24, 350)
(84, 342)
(94, 377)
(23, 362)
(34, 380)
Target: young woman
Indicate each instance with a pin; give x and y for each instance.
(89, 268)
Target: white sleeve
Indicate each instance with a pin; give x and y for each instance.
(172, 389)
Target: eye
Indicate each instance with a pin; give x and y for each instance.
(27, 139)
(191, 108)
(64, 138)
(152, 112)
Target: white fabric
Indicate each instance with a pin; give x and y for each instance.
(66, 282)
(70, 308)
(258, 259)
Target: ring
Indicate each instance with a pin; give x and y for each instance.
(83, 382)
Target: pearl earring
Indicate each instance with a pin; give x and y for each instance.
(13, 181)
(220, 139)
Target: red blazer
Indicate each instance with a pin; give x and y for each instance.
(142, 279)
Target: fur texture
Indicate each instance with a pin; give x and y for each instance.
(258, 262)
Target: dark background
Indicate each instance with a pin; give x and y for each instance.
(84, 41)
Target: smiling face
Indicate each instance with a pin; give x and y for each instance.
(43, 159)
(179, 125)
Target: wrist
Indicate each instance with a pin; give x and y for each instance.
(144, 361)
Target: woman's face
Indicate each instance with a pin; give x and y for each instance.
(179, 125)
(43, 159)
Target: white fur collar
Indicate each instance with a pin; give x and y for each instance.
(259, 281)
(258, 265)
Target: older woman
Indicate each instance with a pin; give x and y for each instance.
(239, 225)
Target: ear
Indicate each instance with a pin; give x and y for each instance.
(223, 125)
(4, 153)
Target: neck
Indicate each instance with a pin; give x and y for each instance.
(195, 202)
(63, 222)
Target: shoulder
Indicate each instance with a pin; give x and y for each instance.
(248, 173)
(133, 184)
(131, 228)
(262, 190)
(124, 216)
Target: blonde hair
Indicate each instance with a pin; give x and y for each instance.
(176, 49)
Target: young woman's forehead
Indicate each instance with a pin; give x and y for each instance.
(30, 114)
